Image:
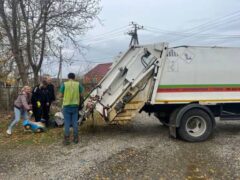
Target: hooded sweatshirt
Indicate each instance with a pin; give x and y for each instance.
(22, 101)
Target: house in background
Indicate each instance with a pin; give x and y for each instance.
(94, 76)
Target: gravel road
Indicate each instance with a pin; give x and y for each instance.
(140, 150)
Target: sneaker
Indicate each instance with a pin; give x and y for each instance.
(66, 140)
(75, 139)
(9, 131)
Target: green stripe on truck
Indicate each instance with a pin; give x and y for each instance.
(198, 86)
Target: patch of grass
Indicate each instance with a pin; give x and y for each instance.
(21, 137)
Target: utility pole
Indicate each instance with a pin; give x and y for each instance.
(59, 76)
(133, 33)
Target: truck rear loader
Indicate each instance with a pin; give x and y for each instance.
(185, 87)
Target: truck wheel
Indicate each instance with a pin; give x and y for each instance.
(196, 125)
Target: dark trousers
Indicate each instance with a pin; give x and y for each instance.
(37, 113)
(45, 113)
(42, 113)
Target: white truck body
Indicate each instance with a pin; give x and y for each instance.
(153, 76)
(204, 74)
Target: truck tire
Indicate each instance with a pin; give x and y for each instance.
(195, 126)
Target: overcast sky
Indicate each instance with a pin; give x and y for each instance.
(180, 22)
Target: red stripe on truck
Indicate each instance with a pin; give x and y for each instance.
(213, 89)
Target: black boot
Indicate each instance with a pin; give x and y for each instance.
(75, 139)
(66, 140)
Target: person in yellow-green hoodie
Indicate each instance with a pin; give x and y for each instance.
(71, 92)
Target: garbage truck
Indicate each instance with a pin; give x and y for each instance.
(185, 87)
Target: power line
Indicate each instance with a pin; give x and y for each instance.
(116, 30)
(190, 33)
(212, 24)
(184, 34)
(211, 38)
(95, 60)
(197, 33)
(105, 40)
(104, 37)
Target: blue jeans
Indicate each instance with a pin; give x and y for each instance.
(17, 116)
(70, 118)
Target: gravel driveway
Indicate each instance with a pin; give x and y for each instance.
(141, 150)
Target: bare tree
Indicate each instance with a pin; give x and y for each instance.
(6, 59)
(6, 67)
(9, 23)
(29, 23)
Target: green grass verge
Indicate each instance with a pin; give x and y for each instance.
(21, 137)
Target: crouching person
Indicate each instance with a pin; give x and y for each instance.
(21, 107)
(70, 91)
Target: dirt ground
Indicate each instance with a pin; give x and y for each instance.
(140, 150)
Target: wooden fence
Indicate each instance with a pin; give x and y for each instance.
(7, 97)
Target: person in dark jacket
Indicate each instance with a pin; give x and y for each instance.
(40, 102)
(51, 91)
(21, 107)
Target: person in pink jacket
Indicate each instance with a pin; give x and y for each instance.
(21, 107)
